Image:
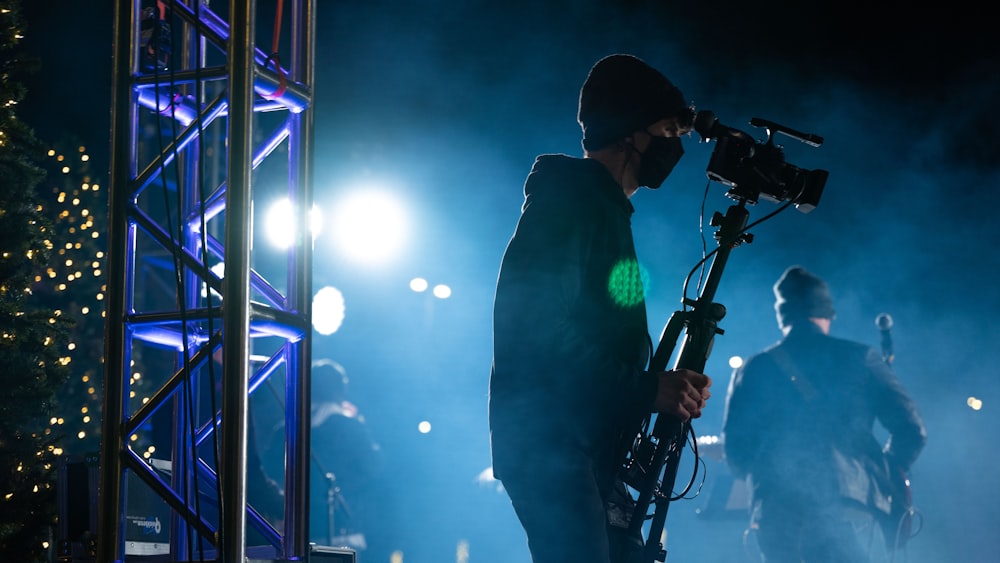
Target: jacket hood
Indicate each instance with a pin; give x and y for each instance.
(560, 175)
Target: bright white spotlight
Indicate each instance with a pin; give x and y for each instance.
(424, 427)
(442, 291)
(418, 285)
(370, 226)
(281, 224)
(328, 310)
(735, 362)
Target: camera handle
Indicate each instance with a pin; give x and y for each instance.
(666, 440)
(771, 127)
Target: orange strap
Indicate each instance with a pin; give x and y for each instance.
(273, 57)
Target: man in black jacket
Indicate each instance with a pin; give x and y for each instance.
(571, 341)
(799, 425)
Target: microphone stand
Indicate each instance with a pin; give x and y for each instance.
(660, 451)
(333, 498)
(899, 480)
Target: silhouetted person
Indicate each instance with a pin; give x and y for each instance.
(346, 460)
(571, 340)
(799, 425)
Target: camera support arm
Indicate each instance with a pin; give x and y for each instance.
(662, 448)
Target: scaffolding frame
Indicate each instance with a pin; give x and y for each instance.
(198, 110)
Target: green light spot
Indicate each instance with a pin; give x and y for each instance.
(626, 283)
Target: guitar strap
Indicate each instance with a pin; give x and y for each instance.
(879, 472)
(790, 369)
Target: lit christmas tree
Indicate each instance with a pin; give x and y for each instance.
(33, 335)
(74, 283)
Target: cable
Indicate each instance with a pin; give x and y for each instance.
(698, 464)
(179, 244)
(203, 240)
(723, 243)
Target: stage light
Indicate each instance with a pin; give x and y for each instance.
(418, 285)
(281, 224)
(974, 403)
(328, 310)
(370, 226)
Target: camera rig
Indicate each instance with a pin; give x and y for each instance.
(757, 170)
(651, 453)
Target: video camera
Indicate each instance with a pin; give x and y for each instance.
(755, 170)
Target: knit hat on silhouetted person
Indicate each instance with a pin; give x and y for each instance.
(329, 380)
(800, 294)
(623, 94)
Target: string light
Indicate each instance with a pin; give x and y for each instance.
(36, 345)
(73, 203)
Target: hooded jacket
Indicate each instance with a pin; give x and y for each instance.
(570, 336)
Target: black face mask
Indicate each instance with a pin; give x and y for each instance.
(659, 160)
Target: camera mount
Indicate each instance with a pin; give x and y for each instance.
(651, 454)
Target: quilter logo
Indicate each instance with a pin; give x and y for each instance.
(148, 526)
(148, 533)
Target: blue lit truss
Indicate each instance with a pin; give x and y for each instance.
(202, 118)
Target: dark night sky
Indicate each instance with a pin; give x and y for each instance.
(458, 98)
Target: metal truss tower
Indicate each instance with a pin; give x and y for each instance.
(203, 118)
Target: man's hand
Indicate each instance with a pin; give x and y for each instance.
(682, 393)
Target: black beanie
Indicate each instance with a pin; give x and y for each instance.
(800, 294)
(623, 94)
(329, 380)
